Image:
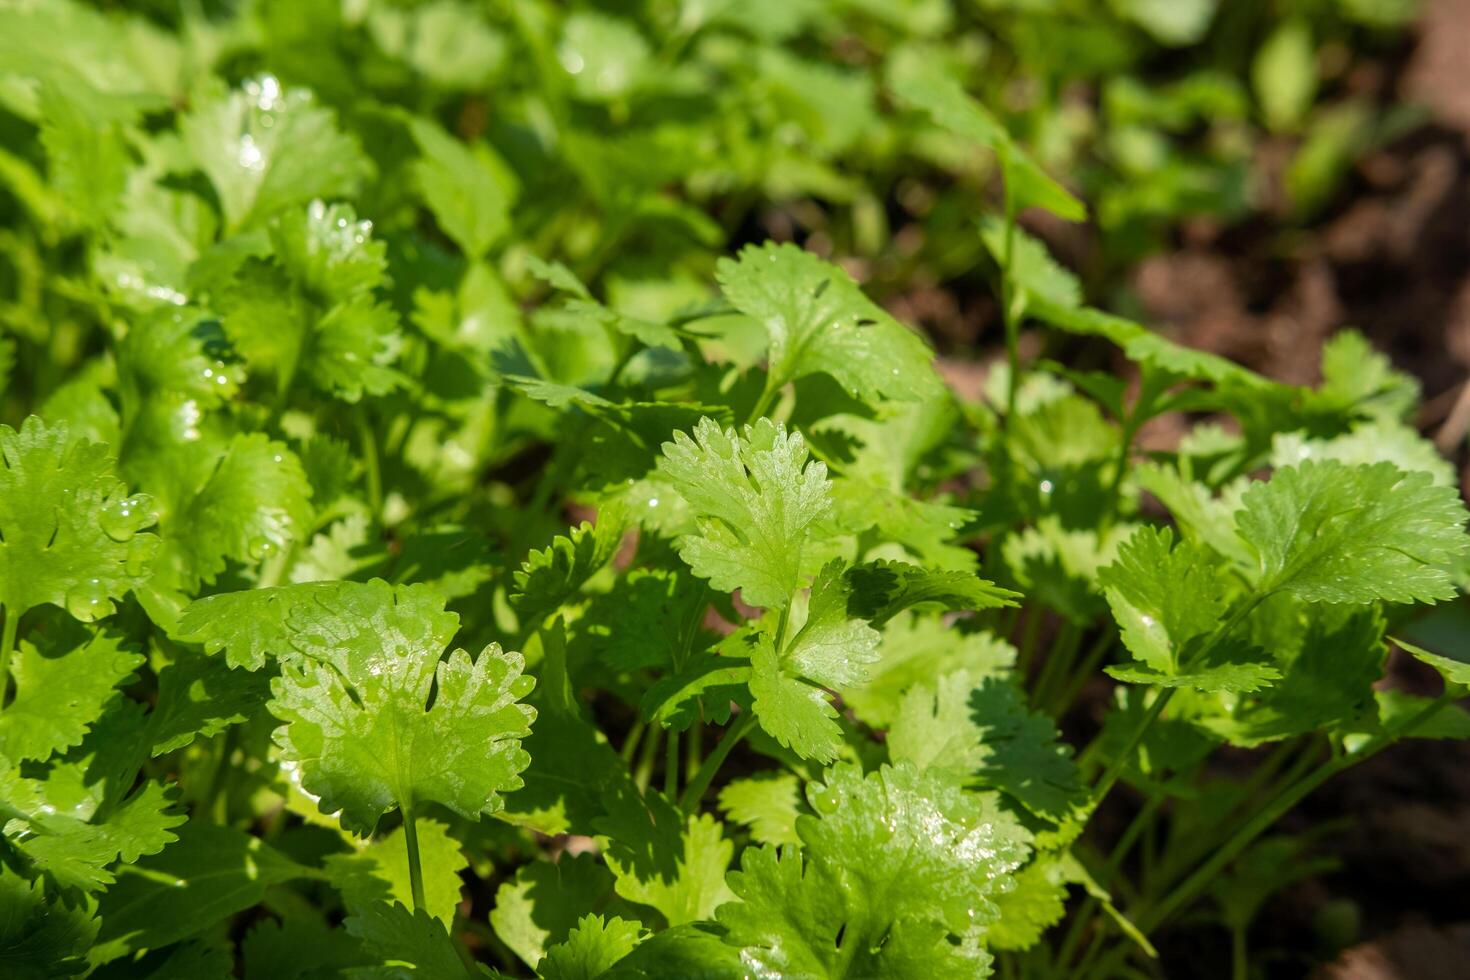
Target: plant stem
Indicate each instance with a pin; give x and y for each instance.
(671, 766)
(1085, 669)
(1288, 797)
(1115, 768)
(644, 773)
(1007, 314)
(368, 443)
(631, 740)
(763, 403)
(694, 792)
(1239, 961)
(7, 647)
(415, 868)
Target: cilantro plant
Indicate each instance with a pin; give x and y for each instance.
(423, 551)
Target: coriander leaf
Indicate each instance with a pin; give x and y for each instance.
(328, 252)
(768, 804)
(280, 621)
(894, 865)
(664, 860)
(296, 948)
(916, 649)
(1032, 267)
(1170, 604)
(249, 143)
(591, 948)
(651, 617)
(63, 681)
(42, 935)
(926, 85)
(200, 696)
(378, 871)
(467, 188)
(683, 951)
(69, 531)
(1453, 667)
(407, 943)
(255, 502)
(357, 714)
(1326, 532)
(819, 322)
(882, 589)
(1038, 902)
(542, 903)
(794, 713)
(1377, 441)
(554, 575)
(757, 497)
(980, 731)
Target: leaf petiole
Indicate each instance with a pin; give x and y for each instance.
(415, 865)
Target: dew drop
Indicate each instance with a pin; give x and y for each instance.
(88, 600)
(250, 156)
(119, 520)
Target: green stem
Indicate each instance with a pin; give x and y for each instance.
(7, 647)
(644, 773)
(631, 740)
(1239, 961)
(1288, 797)
(1113, 502)
(671, 766)
(694, 792)
(1007, 314)
(415, 867)
(1115, 768)
(1058, 662)
(1085, 669)
(368, 441)
(763, 403)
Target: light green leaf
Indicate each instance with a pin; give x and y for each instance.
(768, 804)
(249, 143)
(1326, 532)
(357, 712)
(818, 321)
(467, 188)
(69, 531)
(556, 574)
(1284, 74)
(758, 499)
(62, 684)
(539, 906)
(407, 943)
(378, 871)
(661, 859)
(590, 949)
(894, 865)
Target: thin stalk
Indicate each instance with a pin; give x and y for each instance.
(671, 766)
(1058, 662)
(1115, 768)
(1120, 850)
(763, 403)
(1239, 960)
(368, 443)
(1085, 669)
(696, 748)
(7, 647)
(644, 773)
(1027, 644)
(1007, 314)
(415, 867)
(1288, 797)
(694, 792)
(631, 740)
(1113, 501)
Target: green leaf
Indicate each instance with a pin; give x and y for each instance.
(556, 574)
(41, 935)
(297, 948)
(664, 860)
(590, 949)
(882, 589)
(467, 188)
(916, 649)
(539, 906)
(1326, 532)
(894, 865)
(1454, 668)
(200, 696)
(1284, 75)
(407, 943)
(253, 625)
(359, 722)
(249, 143)
(378, 871)
(63, 681)
(1032, 268)
(1038, 902)
(758, 499)
(326, 250)
(208, 875)
(927, 85)
(979, 732)
(768, 804)
(69, 531)
(255, 502)
(818, 321)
